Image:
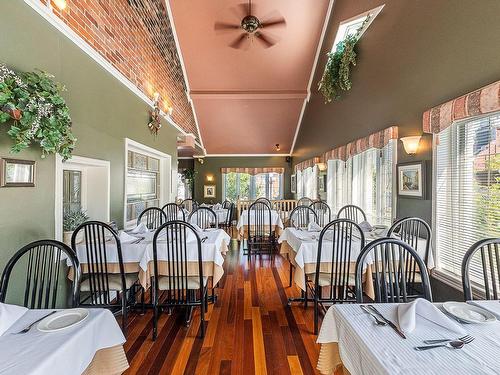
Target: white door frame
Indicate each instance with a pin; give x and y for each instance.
(85, 162)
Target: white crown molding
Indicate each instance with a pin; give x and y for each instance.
(55, 21)
(242, 155)
(313, 70)
(248, 94)
(184, 72)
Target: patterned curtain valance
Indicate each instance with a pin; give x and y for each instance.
(484, 100)
(304, 164)
(375, 140)
(253, 171)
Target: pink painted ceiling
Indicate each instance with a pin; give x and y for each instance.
(247, 100)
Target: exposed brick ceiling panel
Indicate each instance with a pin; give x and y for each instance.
(136, 38)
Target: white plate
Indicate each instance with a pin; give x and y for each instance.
(63, 319)
(469, 313)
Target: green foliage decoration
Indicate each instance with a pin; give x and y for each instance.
(32, 103)
(74, 219)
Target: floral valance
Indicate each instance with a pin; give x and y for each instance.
(484, 100)
(375, 140)
(304, 164)
(253, 171)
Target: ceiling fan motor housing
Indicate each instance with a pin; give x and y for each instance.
(250, 24)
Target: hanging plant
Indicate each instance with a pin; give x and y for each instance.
(337, 75)
(33, 101)
(188, 176)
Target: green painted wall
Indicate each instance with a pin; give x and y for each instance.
(103, 110)
(212, 166)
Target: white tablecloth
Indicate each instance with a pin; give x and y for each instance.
(220, 213)
(359, 341)
(66, 352)
(275, 219)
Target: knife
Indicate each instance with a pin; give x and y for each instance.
(391, 324)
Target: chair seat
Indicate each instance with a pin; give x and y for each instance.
(324, 279)
(193, 282)
(114, 280)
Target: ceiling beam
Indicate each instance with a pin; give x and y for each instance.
(248, 94)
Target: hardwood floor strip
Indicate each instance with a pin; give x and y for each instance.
(294, 363)
(258, 343)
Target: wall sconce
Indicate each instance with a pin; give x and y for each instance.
(321, 166)
(154, 120)
(210, 177)
(411, 144)
(277, 146)
(200, 160)
(61, 4)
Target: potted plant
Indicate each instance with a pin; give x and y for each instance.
(188, 176)
(71, 221)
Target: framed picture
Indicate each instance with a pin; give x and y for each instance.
(322, 183)
(293, 183)
(209, 191)
(411, 180)
(17, 173)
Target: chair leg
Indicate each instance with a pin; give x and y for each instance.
(155, 310)
(291, 275)
(124, 312)
(142, 301)
(202, 312)
(316, 312)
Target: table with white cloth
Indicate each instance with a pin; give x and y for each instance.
(301, 248)
(220, 213)
(243, 225)
(138, 257)
(93, 346)
(351, 342)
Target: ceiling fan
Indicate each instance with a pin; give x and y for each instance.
(251, 27)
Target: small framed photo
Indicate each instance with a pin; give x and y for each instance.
(209, 191)
(17, 173)
(411, 180)
(293, 183)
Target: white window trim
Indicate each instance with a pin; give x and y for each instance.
(166, 174)
(58, 189)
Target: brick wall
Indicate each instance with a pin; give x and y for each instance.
(136, 38)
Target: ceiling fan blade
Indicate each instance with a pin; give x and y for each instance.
(222, 26)
(273, 22)
(266, 40)
(237, 43)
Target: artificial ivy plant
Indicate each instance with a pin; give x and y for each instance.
(337, 75)
(32, 103)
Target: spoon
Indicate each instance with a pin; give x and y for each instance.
(379, 321)
(452, 344)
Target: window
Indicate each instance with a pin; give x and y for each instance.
(467, 189)
(351, 26)
(364, 180)
(72, 191)
(243, 186)
(307, 183)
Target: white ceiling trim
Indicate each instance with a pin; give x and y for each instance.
(248, 94)
(184, 72)
(313, 70)
(241, 155)
(55, 21)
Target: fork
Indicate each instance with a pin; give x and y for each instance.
(465, 339)
(374, 316)
(26, 330)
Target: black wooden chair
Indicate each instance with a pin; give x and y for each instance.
(323, 212)
(152, 217)
(481, 269)
(189, 204)
(415, 232)
(260, 234)
(335, 268)
(227, 224)
(204, 217)
(264, 200)
(305, 201)
(173, 211)
(103, 274)
(42, 276)
(353, 213)
(394, 271)
(176, 282)
(226, 204)
(301, 216)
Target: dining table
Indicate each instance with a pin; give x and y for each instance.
(351, 343)
(137, 255)
(91, 347)
(243, 223)
(300, 247)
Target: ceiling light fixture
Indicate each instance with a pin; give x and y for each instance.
(411, 144)
(61, 4)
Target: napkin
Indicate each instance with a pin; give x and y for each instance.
(365, 226)
(408, 312)
(9, 314)
(141, 228)
(126, 238)
(313, 227)
(218, 206)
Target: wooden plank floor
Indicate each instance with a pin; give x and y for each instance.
(250, 329)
